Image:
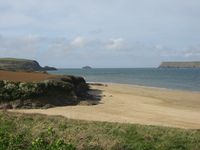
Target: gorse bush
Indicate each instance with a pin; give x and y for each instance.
(8, 141)
(48, 140)
(24, 90)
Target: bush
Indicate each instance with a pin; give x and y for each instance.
(24, 90)
(1, 83)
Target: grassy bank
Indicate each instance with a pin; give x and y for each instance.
(20, 131)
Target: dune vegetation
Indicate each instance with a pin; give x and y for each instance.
(34, 131)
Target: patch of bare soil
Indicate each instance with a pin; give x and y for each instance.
(23, 76)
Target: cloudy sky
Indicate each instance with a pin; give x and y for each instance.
(100, 33)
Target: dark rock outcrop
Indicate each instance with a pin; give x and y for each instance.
(79, 83)
(55, 91)
(49, 68)
(86, 67)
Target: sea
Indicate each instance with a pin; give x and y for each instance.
(183, 79)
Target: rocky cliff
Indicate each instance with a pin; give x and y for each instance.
(195, 64)
(55, 91)
(19, 64)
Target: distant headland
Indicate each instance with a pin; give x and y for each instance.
(22, 64)
(195, 64)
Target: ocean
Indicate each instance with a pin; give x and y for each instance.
(174, 79)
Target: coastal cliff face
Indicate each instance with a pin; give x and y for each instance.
(180, 64)
(55, 91)
(19, 64)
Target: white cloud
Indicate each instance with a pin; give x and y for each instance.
(33, 38)
(62, 51)
(28, 46)
(159, 47)
(78, 42)
(116, 44)
(192, 51)
(61, 46)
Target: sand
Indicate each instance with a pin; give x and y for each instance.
(135, 105)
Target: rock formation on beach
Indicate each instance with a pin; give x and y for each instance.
(195, 64)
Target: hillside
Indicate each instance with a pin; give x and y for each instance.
(19, 64)
(195, 64)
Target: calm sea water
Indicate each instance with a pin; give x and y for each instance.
(175, 79)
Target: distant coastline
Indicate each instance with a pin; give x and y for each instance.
(22, 64)
(195, 64)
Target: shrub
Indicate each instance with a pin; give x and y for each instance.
(49, 140)
(1, 83)
(24, 90)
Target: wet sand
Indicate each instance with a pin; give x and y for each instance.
(135, 105)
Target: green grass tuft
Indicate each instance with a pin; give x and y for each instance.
(53, 132)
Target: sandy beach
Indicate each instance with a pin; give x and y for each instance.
(135, 105)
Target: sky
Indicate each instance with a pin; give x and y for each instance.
(100, 33)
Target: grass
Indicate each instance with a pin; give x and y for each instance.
(34, 131)
(181, 64)
(12, 59)
(15, 59)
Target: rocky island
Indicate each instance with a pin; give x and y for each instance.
(47, 68)
(86, 67)
(195, 64)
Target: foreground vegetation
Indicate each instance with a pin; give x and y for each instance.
(24, 90)
(20, 131)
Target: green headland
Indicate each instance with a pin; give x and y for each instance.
(195, 64)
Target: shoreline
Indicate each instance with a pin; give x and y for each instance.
(143, 86)
(135, 105)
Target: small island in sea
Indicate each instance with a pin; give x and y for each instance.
(195, 64)
(86, 67)
(47, 68)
